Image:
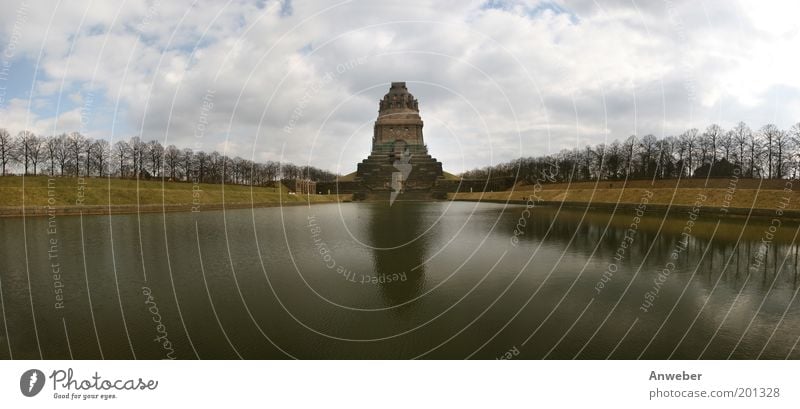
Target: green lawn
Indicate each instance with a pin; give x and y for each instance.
(744, 198)
(67, 191)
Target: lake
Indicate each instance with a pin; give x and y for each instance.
(447, 280)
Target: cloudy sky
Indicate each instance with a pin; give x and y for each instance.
(300, 80)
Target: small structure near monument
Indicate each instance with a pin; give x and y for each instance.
(301, 186)
(399, 166)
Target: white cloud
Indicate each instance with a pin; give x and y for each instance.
(518, 78)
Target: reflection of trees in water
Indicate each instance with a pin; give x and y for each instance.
(735, 261)
(14, 285)
(725, 255)
(399, 226)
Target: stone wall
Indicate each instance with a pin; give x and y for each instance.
(475, 185)
(325, 188)
(440, 190)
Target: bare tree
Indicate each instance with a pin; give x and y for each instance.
(121, 152)
(202, 166)
(271, 170)
(35, 150)
(629, 148)
(598, 164)
(794, 133)
(172, 158)
(613, 161)
(783, 144)
(649, 153)
(75, 146)
(712, 136)
(770, 132)
(741, 135)
(62, 153)
(7, 149)
(187, 159)
(726, 145)
(156, 155)
(689, 142)
(101, 152)
(755, 152)
(51, 149)
(138, 154)
(666, 156)
(24, 144)
(88, 154)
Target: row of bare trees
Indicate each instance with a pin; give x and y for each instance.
(74, 154)
(769, 152)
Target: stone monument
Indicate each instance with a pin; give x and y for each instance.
(399, 166)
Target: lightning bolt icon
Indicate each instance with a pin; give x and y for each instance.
(398, 178)
(32, 381)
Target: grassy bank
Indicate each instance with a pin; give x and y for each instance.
(124, 195)
(747, 193)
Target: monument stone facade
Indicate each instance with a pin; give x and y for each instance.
(399, 166)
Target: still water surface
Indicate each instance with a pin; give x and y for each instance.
(414, 280)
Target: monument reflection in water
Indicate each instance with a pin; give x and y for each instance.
(314, 282)
(398, 238)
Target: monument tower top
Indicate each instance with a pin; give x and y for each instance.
(399, 125)
(398, 100)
